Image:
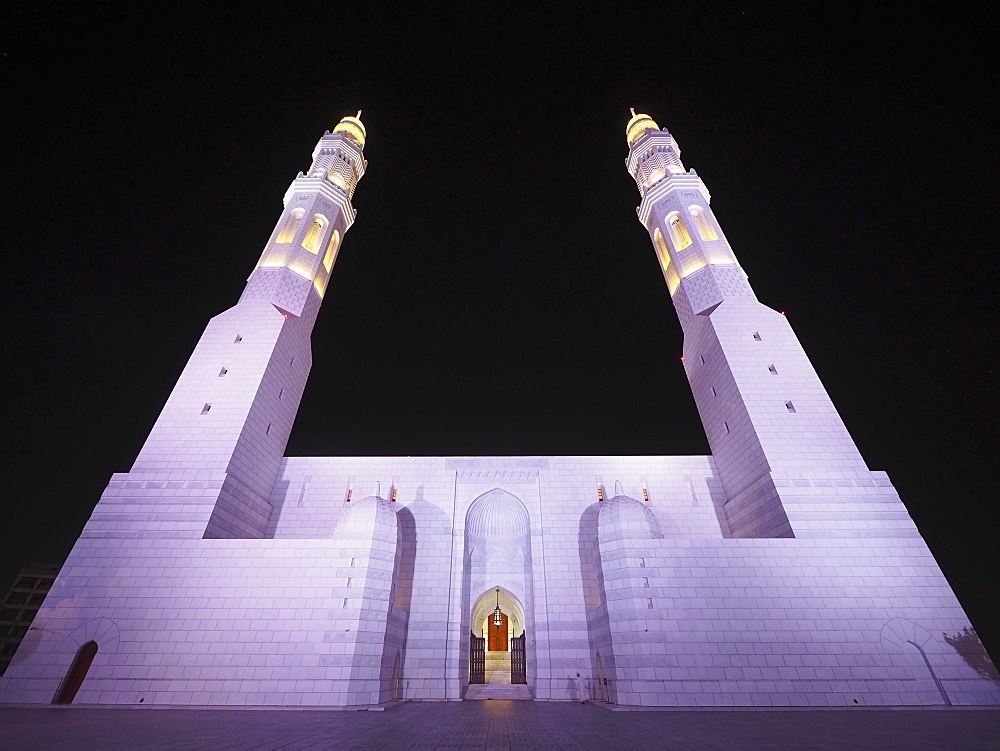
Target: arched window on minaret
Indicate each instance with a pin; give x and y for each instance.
(655, 175)
(679, 236)
(661, 248)
(291, 226)
(673, 279)
(315, 234)
(331, 251)
(703, 223)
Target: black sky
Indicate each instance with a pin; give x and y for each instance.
(497, 295)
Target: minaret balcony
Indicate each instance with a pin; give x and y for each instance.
(323, 187)
(688, 181)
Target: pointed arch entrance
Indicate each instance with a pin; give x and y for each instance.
(497, 597)
(497, 654)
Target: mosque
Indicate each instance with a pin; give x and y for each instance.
(778, 571)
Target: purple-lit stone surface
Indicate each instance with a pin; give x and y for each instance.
(778, 572)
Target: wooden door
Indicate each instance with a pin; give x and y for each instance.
(498, 635)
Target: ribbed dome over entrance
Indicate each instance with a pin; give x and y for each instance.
(497, 514)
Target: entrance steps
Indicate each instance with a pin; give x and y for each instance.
(483, 691)
(497, 668)
(498, 685)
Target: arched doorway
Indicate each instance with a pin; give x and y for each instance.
(497, 651)
(497, 587)
(74, 678)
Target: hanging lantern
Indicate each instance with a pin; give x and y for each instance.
(497, 615)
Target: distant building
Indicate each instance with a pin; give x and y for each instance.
(20, 605)
(778, 571)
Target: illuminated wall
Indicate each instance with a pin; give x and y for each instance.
(779, 571)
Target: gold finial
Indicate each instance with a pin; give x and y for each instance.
(353, 128)
(638, 126)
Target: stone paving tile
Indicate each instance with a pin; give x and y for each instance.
(491, 725)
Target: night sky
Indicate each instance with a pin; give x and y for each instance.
(497, 294)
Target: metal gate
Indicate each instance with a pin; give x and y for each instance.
(477, 659)
(518, 667)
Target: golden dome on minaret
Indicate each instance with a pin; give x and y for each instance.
(353, 128)
(637, 126)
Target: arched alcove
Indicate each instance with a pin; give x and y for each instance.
(907, 639)
(497, 568)
(77, 672)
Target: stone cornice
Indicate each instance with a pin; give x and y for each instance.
(667, 185)
(323, 187)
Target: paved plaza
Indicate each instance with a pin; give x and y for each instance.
(493, 725)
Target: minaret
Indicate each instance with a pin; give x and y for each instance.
(788, 466)
(210, 462)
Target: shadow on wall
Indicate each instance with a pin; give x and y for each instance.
(417, 523)
(971, 649)
(418, 517)
(718, 496)
(589, 557)
(277, 500)
(406, 547)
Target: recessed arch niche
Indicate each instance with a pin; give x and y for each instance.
(498, 557)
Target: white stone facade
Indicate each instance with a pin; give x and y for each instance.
(780, 571)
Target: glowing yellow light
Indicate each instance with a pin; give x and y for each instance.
(291, 226)
(273, 259)
(701, 221)
(679, 236)
(319, 284)
(315, 233)
(721, 256)
(637, 126)
(303, 270)
(661, 248)
(693, 265)
(655, 175)
(672, 280)
(353, 128)
(331, 250)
